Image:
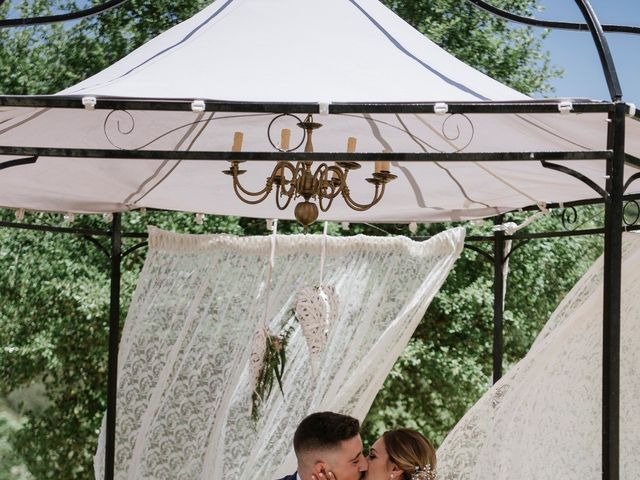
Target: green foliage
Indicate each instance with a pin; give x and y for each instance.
(55, 294)
(11, 467)
(511, 54)
(46, 59)
(54, 289)
(54, 330)
(274, 362)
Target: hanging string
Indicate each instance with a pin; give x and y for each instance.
(510, 228)
(323, 252)
(272, 260)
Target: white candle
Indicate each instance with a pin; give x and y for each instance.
(382, 165)
(285, 138)
(352, 142)
(237, 142)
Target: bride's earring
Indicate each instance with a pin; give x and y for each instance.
(392, 476)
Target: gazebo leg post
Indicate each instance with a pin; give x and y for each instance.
(498, 297)
(114, 334)
(611, 298)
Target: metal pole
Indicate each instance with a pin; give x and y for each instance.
(114, 334)
(498, 297)
(602, 46)
(611, 298)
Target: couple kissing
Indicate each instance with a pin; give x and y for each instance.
(328, 447)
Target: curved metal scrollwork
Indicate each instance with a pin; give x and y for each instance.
(118, 124)
(569, 218)
(124, 124)
(448, 129)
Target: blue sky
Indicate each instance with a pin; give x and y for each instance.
(575, 51)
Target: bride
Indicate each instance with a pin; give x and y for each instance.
(401, 454)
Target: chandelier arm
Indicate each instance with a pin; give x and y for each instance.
(379, 192)
(288, 191)
(322, 168)
(293, 170)
(286, 165)
(335, 189)
(323, 186)
(298, 168)
(270, 180)
(291, 190)
(280, 192)
(237, 188)
(267, 188)
(321, 205)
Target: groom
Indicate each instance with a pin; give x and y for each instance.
(329, 442)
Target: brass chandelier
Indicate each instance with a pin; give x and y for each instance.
(322, 184)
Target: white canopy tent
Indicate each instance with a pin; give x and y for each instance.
(247, 59)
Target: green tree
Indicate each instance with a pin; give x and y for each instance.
(54, 288)
(11, 466)
(54, 329)
(511, 54)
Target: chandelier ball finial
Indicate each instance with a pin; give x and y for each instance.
(306, 213)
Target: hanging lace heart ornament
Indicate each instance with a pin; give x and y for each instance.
(316, 310)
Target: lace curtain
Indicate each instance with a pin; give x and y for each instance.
(184, 386)
(543, 419)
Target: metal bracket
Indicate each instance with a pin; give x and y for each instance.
(516, 245)
(487, 256)
(134, 248)
(18, 161)
(584, 179)
(630, 180)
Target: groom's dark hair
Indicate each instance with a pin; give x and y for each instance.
(324, 430)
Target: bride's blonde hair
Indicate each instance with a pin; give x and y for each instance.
(409, 449)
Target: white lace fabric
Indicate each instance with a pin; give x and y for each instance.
(184, 386)
(543, 419)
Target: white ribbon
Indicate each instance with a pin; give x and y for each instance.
(272, 261)
(323, 252)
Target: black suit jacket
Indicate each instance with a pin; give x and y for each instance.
(291, 477)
